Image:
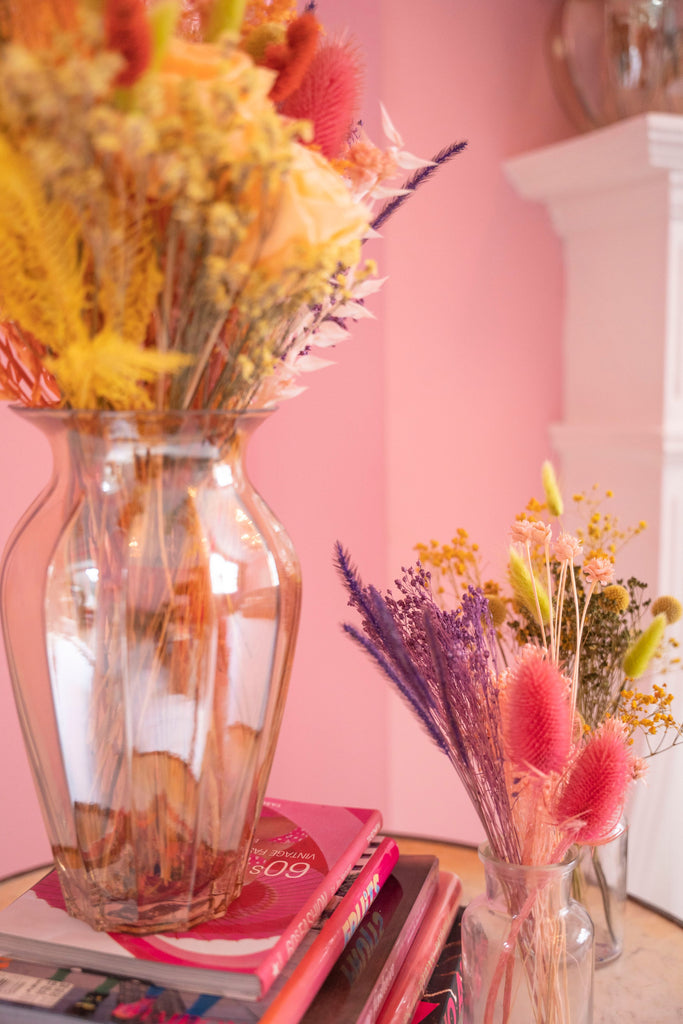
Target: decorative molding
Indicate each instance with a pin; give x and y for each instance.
(625, 153)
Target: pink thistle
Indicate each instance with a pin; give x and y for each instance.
(127, 30)
(598, 570)
(593, 794)
(328, 96)
(567, 548)
(537, 720)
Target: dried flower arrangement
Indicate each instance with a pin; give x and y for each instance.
(184, 193)
(602, 632)
(498, 684)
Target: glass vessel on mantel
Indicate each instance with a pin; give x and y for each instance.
(612, 59)
(150, 605)
(527, 947)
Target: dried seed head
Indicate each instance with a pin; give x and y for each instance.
(537, 720)
(595, 789)
(617, 596)
(669, 606)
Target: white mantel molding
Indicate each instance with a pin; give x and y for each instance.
(648, 146)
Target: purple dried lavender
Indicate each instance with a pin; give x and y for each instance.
(414, 182)
(444, 666)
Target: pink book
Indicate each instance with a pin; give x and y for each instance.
(399, 1006)
(362, 977)
(300, 989)
(300, 856)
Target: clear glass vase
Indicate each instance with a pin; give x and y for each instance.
(527, 947)
(612, 59)
(150, 605)
(599, 883)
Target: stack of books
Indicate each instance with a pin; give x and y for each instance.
(332, 925)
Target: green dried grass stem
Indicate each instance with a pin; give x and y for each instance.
(551, 487)
(527, 589)
(640, 653)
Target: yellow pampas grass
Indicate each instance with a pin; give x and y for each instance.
(42, 276)
(108, 366)
(553, 496)
(528, 590)
(642, 650)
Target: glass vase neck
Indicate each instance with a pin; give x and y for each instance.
(502, 875)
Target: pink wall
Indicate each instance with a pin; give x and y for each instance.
(435, 415)
(472, 320)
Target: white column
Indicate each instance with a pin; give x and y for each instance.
(615, 198)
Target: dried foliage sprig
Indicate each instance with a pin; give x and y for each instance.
(184, 197)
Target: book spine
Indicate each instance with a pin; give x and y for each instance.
(399, 952)
(289, 940)
(417, 968)
(299, 991)
(442, 1000)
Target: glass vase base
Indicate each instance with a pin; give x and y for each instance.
(606, 953)
(161, 908)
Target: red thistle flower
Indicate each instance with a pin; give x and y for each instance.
(292, 58)
(329, 96)
(128, 31)
(537, 716)
(595, 788)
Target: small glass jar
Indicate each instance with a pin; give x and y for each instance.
(600, 884)
(527, 947)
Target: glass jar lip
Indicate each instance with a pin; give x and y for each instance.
(567, 863)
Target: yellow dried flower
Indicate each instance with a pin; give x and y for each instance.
(617, 596)
(260, 38)
(669, 606)
(498, 610)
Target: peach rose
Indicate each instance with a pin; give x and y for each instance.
(315, 208)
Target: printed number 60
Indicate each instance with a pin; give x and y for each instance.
(281, 867)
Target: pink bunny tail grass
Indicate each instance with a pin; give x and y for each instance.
(594, 792)
(537, 718)
(329, 96)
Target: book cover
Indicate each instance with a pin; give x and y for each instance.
(420, 961)
(296, 995)
(300, 856)
(442, 999)
(357, 985)
(46, 994)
